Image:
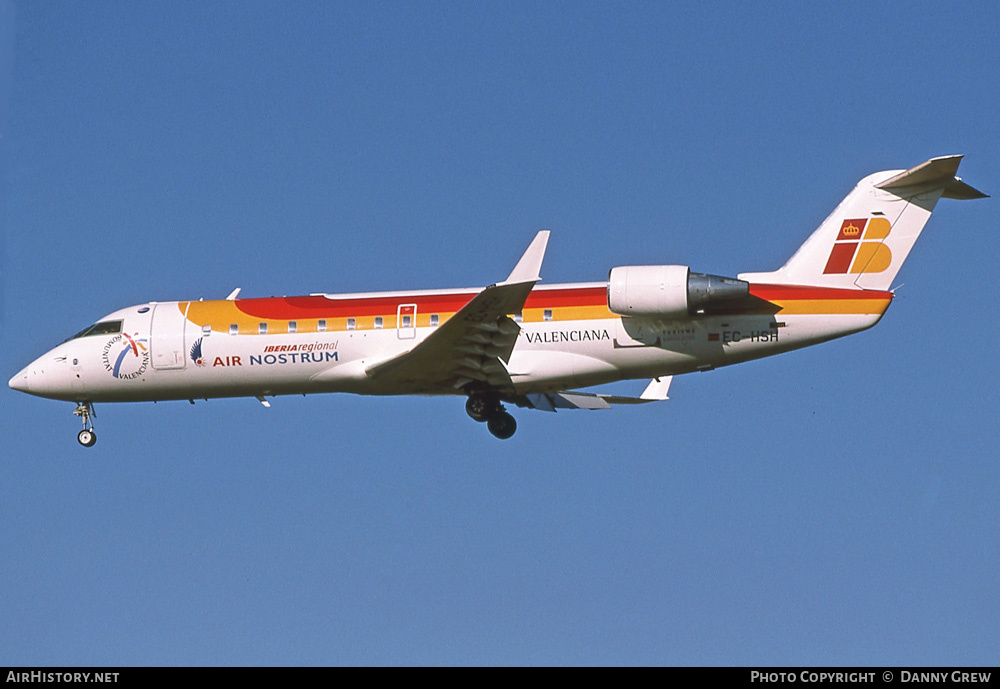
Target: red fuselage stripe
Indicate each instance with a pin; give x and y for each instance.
(290, 308)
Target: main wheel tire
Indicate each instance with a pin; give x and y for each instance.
(478, 407)
(502, 426)
(86, 438)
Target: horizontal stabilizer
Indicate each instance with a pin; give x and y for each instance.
(934, 173)
(960, 191)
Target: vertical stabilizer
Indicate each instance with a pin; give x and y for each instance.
(863, 243)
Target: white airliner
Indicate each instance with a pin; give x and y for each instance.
(513, 342)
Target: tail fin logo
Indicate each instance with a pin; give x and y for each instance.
(860, 247)
(850, 231)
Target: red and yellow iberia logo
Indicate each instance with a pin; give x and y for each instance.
(860, 247)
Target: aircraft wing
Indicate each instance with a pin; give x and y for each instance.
(475, 344)
(550, 401)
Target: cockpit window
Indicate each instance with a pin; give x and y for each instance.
(102, 328)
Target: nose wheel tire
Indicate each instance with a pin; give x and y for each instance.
(86, 437)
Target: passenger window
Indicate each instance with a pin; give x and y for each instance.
(518, 317)
(292, 326)
(351, 323)
(407, 319)
(262, 329)
(547, 315)
(206, 330)
(378, 322)
(321, 325)
(435, 320)
(234, 329)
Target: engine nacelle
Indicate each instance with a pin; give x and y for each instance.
(671, 292)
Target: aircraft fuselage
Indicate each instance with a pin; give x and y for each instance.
(325, 343)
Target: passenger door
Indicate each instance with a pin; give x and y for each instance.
(166, 336)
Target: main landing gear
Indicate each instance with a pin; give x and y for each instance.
(87, 437)
(484, 407)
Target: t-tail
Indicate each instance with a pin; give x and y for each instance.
(863, 243)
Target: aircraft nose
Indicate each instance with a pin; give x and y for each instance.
(20, 382)
(47, 376)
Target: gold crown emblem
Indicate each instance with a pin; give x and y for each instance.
(851, 230)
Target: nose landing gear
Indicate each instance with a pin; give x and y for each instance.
(484, 407)
(87, 437)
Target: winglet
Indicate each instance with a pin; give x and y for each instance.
(528, 269)
(657, 389)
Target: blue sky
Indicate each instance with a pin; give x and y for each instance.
(836, 505)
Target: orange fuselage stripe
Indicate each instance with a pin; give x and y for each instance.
(565, 304)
